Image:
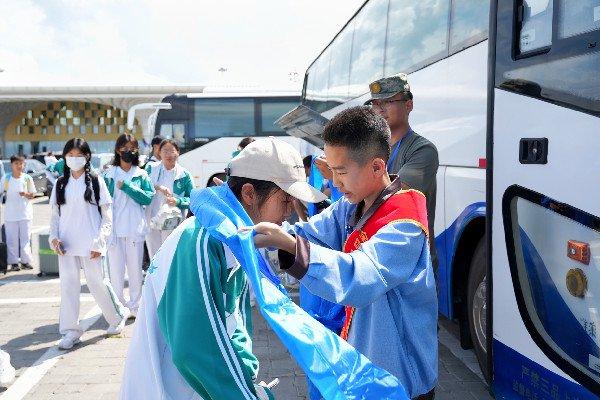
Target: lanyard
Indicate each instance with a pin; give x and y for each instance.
(394, 154)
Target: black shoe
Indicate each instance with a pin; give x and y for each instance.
(26, 266)
(15, 267)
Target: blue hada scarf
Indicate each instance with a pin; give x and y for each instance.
(338, 370)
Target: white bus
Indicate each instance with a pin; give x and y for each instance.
(543, 193)
(442, 45)
(208, 126)
(516, 122)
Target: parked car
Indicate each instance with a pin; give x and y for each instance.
(37, 170)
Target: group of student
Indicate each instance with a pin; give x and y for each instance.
(370, 252)
(98, 217)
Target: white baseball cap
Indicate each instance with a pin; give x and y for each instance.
(275, 161)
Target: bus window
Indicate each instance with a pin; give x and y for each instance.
(339, 67)
(556, 271)
(417, 34)
(468, 23)
(578, 16)
(316, 83)
(271, 111)
(567, 75)
(175, 131)
(368, 46)
(536, 25)
(215, 118)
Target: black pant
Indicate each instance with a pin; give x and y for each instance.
(426, 396)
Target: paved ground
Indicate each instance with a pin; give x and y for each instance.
(93, 369)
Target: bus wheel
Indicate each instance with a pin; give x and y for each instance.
(477, 303)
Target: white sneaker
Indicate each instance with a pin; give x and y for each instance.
(118, 328)
(7, 371)
(68, 341)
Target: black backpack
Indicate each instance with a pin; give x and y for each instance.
(60, 185)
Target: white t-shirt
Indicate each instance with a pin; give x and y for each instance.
(165, 178)
(79, 221)
(129, 218)
(17, 207)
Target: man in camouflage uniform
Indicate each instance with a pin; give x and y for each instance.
(414, 159)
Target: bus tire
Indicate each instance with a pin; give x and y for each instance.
(476, 305)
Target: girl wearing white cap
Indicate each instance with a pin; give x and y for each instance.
(131, 190)
(193, 333)
(173, 185)
(80, 224)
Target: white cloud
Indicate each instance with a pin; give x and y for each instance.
(55, 42)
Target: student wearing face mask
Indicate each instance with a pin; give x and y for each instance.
(80, 224)
(173, 185)
(131, 190)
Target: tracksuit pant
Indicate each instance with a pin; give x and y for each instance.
(70, 289)
(18, 241)
(154, 239)
(126, 254)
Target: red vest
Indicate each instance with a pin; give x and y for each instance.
(403, 206)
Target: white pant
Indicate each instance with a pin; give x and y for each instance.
(125, 253)
(18, 241)
(155, 239)
(70, 289)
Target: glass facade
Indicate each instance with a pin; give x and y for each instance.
(48, 125)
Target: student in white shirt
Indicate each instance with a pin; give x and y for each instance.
(80, 224)
(131, 190)
(19, 189)
(173, 185)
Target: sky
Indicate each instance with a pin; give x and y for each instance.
(266, 43)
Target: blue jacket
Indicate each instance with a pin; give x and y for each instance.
(390, 281)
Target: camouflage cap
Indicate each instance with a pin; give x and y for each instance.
(385, 88)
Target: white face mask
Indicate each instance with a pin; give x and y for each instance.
(76, 163)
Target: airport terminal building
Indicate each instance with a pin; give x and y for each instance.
(42, 119)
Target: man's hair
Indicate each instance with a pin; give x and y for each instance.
(365, 134)
(16, 158)
(156, 140)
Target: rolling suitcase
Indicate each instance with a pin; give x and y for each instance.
(3, 252)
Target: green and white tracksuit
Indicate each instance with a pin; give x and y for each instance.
(129, 228)
(179, 181)
(193, 334)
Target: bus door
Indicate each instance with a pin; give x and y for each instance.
(544, 199)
